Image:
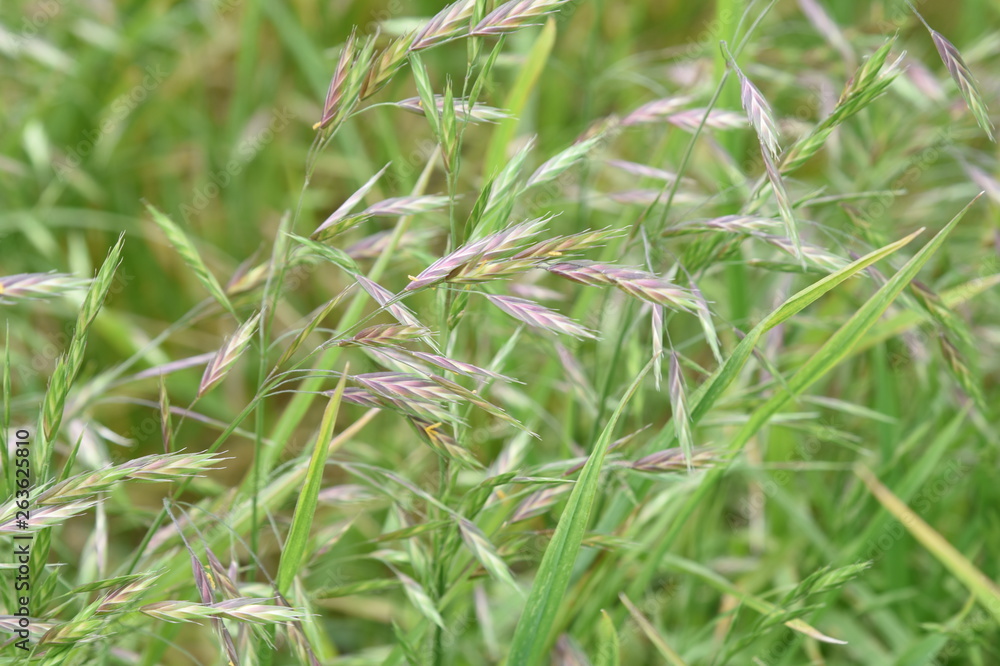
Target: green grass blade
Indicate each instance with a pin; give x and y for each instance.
(709, 392)
(840, 343)
(294, 552)
(668, 653)
(531, 638)
(835, 349)
(985, 590)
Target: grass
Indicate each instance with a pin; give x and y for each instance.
(534, 332)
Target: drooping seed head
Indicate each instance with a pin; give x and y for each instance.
(513, 15)
(539, 316)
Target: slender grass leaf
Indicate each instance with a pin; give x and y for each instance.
(293, 554)
(531, 637)
(985, 590)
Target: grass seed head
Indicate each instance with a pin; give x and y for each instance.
(30, 286)
(537, 315)
(514, 15)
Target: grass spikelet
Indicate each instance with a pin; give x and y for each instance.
(206, 591)
(783, 202)
(674, 460)
(358, 396)
(477, 400)
(487, 271)
(758, 111)
(962, 76)
(165, 425)
(415, 393)
(557, 165)
(486, 553)
(656, 322)
(721, 119)
(72, 633)
(539, 502)
(594, 274)
(247, 276)
(960, 370)
(404, 206)
(189, 253)
(449, 23)
(44, 516)
(338, 221)
(806, 251)
(513, 15)
(383, 334)
(561, 245)
(419, 598)
(656, 111)
(335, 92)
(739, 224)
(869, 82)
(30, 286)
(155, 468)
(501, 191)
(437, 436)
(385, 299)
(539, 316)
(385, 65)
(494, 246)
(250, 610)
(640, 284)
(401, 385)
(372, 247)
(228, 354)
(643, 170)
(127, 595)
(68, 365)
(407, 356)
(316, 319)
(681, 417)
(222, 578)
(479, 113)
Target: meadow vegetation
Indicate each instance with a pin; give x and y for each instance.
(526, 332)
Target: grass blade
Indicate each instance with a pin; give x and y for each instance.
(652, 634)
(293, 554)
(531, 637)
(985, 590)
